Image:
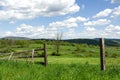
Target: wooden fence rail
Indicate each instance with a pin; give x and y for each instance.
(33, 52)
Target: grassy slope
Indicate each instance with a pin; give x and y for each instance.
(69, 50)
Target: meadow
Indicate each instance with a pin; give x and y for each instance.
(74, 62)
(59, 69)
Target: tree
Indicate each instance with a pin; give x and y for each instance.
(58, 38)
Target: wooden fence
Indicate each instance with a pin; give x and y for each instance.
(32, 54)
(102, 54)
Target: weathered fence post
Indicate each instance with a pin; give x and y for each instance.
(102, 54)
(11, 54)
(33, 55)
(45, 55)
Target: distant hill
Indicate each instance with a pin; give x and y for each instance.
(84, 41)
(16, 38)
(112, 42)
(108, 42)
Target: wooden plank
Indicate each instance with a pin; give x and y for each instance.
(10, 55)
(102, 54)
(33, 55)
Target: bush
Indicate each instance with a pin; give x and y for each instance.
(7, 50)
(114, 55)
(77, 48)
(55, 54)
(83, 50)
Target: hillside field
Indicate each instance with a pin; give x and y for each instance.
(74, 61)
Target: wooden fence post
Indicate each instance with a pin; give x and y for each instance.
(33, 55)
(102, 54)
(11, 54)
(45, 55)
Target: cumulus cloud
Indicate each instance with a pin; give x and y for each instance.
(27, 9)
(110, 31)
(69, 23)
(112, 13)
(89, 29)
(103, 13)
(113, 28)
(113, 31)
(49, 31)
(8, 33)
(97, 22)
(26, 31)
(116, 12)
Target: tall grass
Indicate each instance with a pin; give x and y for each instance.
(14, 70)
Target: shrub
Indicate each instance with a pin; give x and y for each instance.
(7, 50)
(83, 50)
(114, 55)
(55, 54)
(77, 47)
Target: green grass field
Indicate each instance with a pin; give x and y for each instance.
(75, 62)
(60, 68)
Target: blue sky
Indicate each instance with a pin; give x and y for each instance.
(72, 18)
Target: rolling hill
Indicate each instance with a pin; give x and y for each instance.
(16, 38)
(108, 42)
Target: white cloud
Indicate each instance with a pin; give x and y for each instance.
(89, 29)
(26, 31)
(71, 34)
(69, 23)
(48, 31)
(70, 29)
(103, 13)
(113, 28)
(91, 32)
(110, 31)
(27, 9)
(8, 33)
(113, 31)
(97, 22)
(116, 12)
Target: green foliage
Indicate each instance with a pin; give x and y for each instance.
(39, 41)
(55, 54)
(7, 50)
(64, 48)
(77, 47)
(22, 43)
